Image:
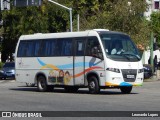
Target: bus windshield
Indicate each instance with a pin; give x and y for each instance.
(119, 47)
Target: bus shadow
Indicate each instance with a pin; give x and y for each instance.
(61, 90)
(24, 88)
(87, 92)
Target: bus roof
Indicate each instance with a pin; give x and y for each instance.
(93, 32)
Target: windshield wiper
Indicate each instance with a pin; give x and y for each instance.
(124, 55)
(132, 55)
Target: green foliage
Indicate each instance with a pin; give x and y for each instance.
(1, 65)
(115, 15)
(155, 18)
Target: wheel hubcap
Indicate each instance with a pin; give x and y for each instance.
(41, 84)
(92, 85)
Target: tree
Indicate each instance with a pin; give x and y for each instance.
(155, 19)
(128, 18)
(110, 14)
(115, 15)
(20, 21)
(58, 18)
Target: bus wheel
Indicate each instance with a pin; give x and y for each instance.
(42, 85)
(93, 85)
(71, 89)
(126, 90)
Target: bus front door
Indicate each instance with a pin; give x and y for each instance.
(79, 62)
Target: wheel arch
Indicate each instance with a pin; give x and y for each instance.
(40, 74)
(92, 73)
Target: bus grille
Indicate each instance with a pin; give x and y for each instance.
(129, 75)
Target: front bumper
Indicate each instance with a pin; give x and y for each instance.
(123, 84)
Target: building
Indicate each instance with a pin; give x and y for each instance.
(153, 5)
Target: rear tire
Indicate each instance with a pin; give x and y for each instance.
(42, 85)
(126, 90)
(93, 85)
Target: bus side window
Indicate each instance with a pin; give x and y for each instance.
(53, 44)
(49, 48)
(64, 47)
(30, 49)
(93, 47)
(43, 48)
(22, 49)
(67, 47)
(37, 48)
(26, 49)
(89, 47)
(80, 48)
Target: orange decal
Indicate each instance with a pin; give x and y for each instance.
(89, 69)
(110, 84)
(50, 66)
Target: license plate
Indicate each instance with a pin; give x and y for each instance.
(130, 76)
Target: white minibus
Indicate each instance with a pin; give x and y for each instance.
(96, 59)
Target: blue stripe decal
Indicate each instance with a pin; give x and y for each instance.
(125, 84)
(42, 63)
(66, 66)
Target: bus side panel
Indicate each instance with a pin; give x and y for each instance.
(26, 69)
(96, 66)
(57, 70)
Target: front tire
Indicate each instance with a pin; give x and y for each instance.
(93, 85)
(126, 90)
(42, 85)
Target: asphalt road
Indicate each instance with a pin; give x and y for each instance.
(17, 97)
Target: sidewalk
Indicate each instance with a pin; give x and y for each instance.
(152, 79)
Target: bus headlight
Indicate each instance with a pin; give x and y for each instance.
(113, 70)
(140, 70)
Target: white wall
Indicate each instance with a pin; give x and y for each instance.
(149, 11)
(146, 55)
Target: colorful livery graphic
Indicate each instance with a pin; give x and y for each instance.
(95, 59)
(57, 75)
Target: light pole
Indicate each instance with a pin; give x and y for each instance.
(151, 41)
(78, 22)
(70, 12)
